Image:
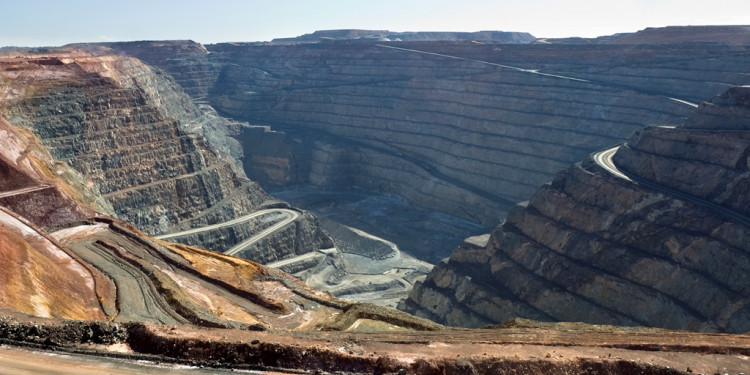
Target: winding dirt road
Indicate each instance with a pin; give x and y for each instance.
(604, 160)
(23, 191)
(300, 258)
(291, 215)
(523, 70)
(138, 300)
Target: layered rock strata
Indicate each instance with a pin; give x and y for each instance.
(464, 128)
(99, 284)
(62, 259)
(27, 191)
(127, 129)
(649, 249)
(707, 157)
(460, 127)
(35, 267)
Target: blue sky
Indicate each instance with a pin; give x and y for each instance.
(46, 23)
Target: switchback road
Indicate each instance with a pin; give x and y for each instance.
(290, 216)
(301, 258)
(604, 159)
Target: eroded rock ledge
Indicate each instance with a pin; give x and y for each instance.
(593, 247)
(133, 135)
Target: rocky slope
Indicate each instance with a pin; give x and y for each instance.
(35, 268)
(461, 128)
(95, 285)
(116, 288)
(665, 245)
(63, 259)
(131, 133)
(464, 128)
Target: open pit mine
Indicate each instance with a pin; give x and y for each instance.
(371, 202)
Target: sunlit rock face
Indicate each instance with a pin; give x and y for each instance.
(593, 247)
(134, 136)
(63, 256)
(472, 129)
(38, 276)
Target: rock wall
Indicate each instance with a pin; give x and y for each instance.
(36, 187)
(461, 127)
(62, 259)
(128, 129)
(471, 129)
(593, 247)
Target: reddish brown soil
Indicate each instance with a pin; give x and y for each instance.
(512, 350)
(456, 351)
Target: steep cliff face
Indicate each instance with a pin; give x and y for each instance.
(39, 188)
(646, 249)
(34, 268)
(130, 132)
(707, 157)
(197, 78)
(461, 136)
(63, 258)
(465, 128)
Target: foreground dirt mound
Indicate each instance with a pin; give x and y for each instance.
(562, 349)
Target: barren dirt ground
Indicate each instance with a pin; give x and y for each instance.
(17, 361)
(561, 348)
(681, 351)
